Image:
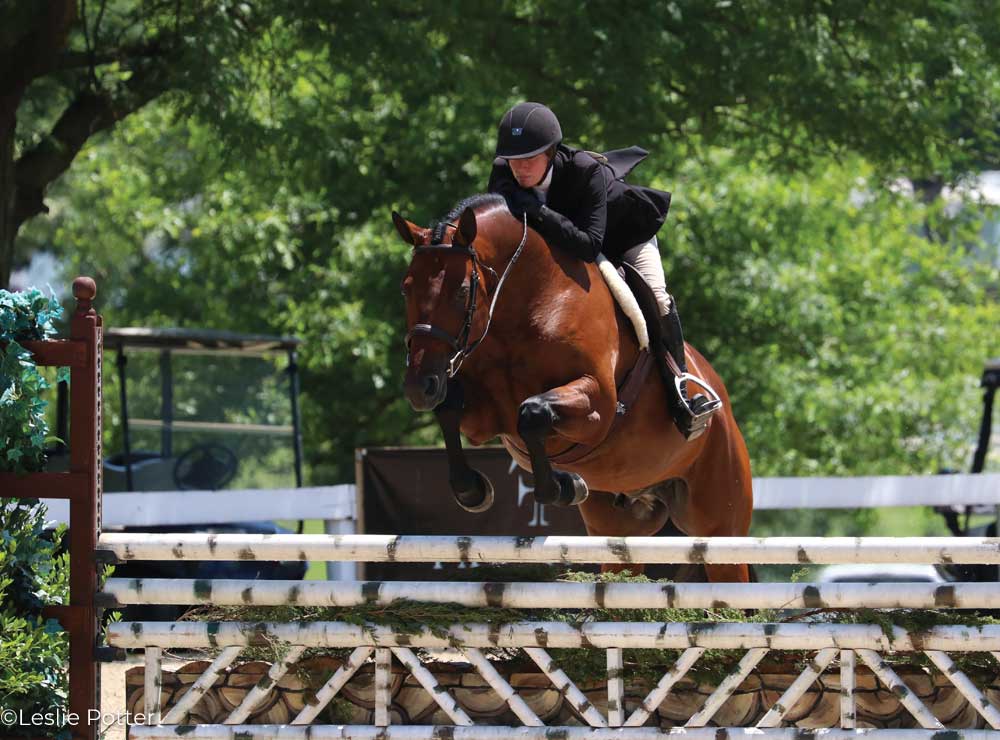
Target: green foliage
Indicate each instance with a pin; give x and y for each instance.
(34, 650)
(906, 86)
(33, 574)
(850, 343)
(23, 430)
(584, 665)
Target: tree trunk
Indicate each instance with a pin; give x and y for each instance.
(8, 189)
(38, 32)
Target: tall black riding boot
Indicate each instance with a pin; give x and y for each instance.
(691, 415)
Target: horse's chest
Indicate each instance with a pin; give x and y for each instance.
(491, 403)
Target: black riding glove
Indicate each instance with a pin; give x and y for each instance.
(561, 231)
(523, 201)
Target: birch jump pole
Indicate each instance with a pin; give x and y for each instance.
(374, 548)
(601, 635)
(119, 592)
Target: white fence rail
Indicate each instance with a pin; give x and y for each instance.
(165, 508)
(870, 492)
(177, 508)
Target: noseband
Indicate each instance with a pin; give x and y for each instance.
(460, 344)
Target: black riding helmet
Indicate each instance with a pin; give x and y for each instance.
(527, 129)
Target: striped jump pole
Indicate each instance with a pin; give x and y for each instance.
(553, 549)
(119, 592)
(431, 732)
(600, 635)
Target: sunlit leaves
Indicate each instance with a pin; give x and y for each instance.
(257, 196)
(849, 342)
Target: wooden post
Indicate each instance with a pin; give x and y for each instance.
(85, 515)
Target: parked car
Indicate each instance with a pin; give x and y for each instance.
(890, 572)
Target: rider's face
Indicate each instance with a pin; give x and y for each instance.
(529, 171)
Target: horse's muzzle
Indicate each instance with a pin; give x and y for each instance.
(426, 391)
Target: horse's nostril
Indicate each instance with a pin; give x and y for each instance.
(430, 386)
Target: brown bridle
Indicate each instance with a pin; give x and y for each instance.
(460, 344)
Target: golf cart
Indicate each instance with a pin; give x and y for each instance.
(166, 448)
(958, 517)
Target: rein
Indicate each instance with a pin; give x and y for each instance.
(460, 344)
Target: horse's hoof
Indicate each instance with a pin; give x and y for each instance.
(573, 489)
(479, 497)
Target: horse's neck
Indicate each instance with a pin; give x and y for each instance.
(542, 290)
(548, 285)
(534, 275)
(548, 297)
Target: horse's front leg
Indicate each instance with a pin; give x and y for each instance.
(472, 490)
(571, 411)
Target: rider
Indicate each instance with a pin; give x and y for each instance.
(577, 201)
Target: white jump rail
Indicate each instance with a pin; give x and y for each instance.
(850, 642)
(552, 549)
(600, 635)
(433, 732)
(234, 592)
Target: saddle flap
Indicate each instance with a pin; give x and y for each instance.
(647, 302)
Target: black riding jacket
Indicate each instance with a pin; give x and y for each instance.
(588, 209)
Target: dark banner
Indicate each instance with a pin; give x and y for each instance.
(406, 491)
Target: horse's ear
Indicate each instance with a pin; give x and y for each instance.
(410, 232)
(465, 234)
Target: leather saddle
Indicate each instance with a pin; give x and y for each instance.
(647, 303)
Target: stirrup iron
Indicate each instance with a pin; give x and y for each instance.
(698, 422)
(708, 408)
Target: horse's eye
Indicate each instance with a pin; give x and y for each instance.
(462, 294)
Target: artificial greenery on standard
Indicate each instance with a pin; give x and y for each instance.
(34, 651)
(24, 317)
(33, 573)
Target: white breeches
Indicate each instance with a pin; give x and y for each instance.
(645, 258)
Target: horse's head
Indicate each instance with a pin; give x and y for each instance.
(442, 288)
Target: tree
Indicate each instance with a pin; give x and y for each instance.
(70, 70)
(910, 85)
(850, 344)
(276, 219)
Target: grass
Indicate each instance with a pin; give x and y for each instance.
(316, 570)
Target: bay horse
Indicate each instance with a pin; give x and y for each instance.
(510, 337)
